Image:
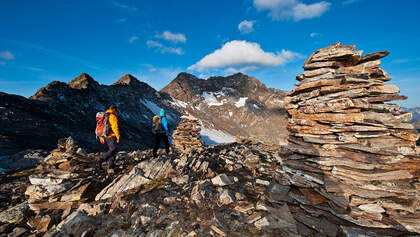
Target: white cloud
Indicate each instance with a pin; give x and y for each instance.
(203, 76)
(132, 39)
(7, 55)
(346, 2)
(230, 70)
(222, 39)
(292, 9)
(314, 34)
(35, 69)
(149, 67)
(56, 54)
(248, 68)
(174, 37)
(121, 20)
(246, 27)
(160, 77)
(243, 54)
(303, 11)
(162, 48)
(122, 6)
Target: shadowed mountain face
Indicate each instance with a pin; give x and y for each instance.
(237, 105)
(60, 110)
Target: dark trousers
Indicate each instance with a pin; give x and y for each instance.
(158, 138)
(109, 156)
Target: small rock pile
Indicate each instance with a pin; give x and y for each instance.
(358, 152)
(186, 137)
(65, 179)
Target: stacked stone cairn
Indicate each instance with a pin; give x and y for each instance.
(65, 179)
(186, 137)
(357, 151)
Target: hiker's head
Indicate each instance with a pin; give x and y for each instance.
(113, 108)
(162, 112)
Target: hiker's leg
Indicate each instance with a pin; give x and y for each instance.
(112, 144)
(157, 141)
(107, 154)
(166, 141)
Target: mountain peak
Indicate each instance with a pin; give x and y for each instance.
(128, 80)
(83, 81)
(238, 74)
(185, 75)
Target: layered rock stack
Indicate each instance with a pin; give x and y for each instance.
(187, 136)
(358, 152)
(66, 178)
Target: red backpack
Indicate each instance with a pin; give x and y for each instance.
(102, 124)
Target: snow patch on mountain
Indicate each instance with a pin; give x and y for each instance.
(211, 100)
(151, 106)
(228, 89)
(212, 136)
(241, 102)
(219, 93)
(179, 103)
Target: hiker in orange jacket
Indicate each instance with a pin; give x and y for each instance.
(112, 138)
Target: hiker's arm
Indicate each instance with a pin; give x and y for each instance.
(165, 124)
(113, 121)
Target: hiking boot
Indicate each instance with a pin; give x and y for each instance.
(110, 165)
(110, 171)
(98, 166)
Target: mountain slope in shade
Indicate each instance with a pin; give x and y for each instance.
(68, 109)
(237, 105)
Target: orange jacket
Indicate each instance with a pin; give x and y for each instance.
(113, 122)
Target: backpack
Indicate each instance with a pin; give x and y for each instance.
(102, 124)
(157, 123)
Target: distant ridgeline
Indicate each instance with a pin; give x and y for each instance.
(416, 118)
(226, 107)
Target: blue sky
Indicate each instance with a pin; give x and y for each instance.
(43, 41)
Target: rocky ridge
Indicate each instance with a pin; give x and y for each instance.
(237, 189)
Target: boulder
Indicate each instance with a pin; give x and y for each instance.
(222, 180)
